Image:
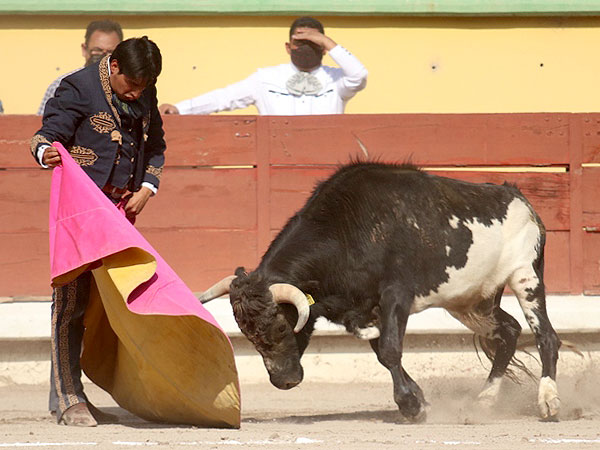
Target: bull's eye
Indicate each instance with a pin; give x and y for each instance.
(281, 328)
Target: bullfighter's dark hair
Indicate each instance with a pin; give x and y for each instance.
(306, 22)
(139, 59)
(106, 26)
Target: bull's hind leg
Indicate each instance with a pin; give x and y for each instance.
(528, 285)
(395, 308)
(502, 331)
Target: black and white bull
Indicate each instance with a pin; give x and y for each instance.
(377, 242)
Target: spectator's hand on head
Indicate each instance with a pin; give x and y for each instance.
(167, 108)
(313, 35)
(51, 157)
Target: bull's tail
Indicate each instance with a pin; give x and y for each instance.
(488, 346)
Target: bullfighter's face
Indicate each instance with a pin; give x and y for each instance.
(127, 89)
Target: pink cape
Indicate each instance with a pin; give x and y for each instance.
(149, 342)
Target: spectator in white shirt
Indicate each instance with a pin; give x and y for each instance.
(301, 87)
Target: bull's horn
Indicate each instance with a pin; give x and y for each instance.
(286, 293)
(218, 289)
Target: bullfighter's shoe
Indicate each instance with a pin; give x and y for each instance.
(78, 415)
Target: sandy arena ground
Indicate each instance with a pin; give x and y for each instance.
(330, 416)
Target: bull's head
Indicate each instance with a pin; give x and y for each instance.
(262, 314)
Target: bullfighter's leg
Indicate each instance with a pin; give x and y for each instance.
(395, 309)
(528, 285)
(67, 332)
(502, 330)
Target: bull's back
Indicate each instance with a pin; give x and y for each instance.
(462, 240)
(362, 195)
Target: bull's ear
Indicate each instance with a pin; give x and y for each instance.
(241, 272)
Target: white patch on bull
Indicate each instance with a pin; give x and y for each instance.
(448, 250)
(367, 333)
(548, 399)
(488, 396)
(521, 283)
(454, 222)
(497, 252)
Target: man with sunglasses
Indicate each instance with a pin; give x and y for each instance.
(101, 38)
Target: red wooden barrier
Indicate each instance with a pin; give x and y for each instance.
(231, 182)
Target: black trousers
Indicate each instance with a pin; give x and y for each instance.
(68, 307)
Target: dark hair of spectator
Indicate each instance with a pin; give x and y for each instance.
(139, 59)
(306, 22)
(106, 26)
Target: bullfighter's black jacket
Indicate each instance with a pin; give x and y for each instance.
(83, 117)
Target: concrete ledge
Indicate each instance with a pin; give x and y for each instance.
(31, 319)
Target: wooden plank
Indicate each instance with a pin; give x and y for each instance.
(557, 273)
(16, 132)
(549, 193)
(590, 187)
(191, 140)
(26, 265)
(590, 136)
(576, 249)
(265, 207)
(590, 267)
(24, 195)
(203, 198)
(591, 263)
(425, 139)
(210, 140)
(201, 258)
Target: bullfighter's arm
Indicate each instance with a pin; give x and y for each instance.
(62, 116)
(154, 149)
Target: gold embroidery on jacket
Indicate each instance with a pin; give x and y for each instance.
(116, 136)
(83, 156)
(105, 81)
(156, 171)
(37, 140)
(103, 122)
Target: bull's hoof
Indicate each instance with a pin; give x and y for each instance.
(413, 410)
(487, 398)
(548, 400)
(419, 417)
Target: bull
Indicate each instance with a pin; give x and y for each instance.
(377, 242)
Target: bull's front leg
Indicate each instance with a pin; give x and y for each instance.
(528, 286)
(395, 309)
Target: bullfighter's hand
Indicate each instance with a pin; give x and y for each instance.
(51, 157)
(137, 201)
(167, 108)
(313, 35)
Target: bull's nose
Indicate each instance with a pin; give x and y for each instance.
(290, 384)
(286, 382)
